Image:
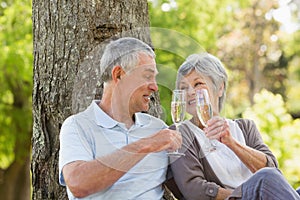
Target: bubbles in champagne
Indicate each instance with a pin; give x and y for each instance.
(178, 111)
(204, 113)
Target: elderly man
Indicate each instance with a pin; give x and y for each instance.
(113, 150)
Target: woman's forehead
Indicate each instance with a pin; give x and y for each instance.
(192, 76)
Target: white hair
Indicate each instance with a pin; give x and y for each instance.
(208, 66)
(124, 52)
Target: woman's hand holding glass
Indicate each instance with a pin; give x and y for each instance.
(218, 129)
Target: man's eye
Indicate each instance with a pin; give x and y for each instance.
(148, 77)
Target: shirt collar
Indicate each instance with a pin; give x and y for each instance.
(100, 117)
(142, 119)
(104, 120)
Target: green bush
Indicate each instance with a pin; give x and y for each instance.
(280, 132)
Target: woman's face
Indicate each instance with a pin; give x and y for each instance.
(192, 82)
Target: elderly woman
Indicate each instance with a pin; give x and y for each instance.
(242, 166)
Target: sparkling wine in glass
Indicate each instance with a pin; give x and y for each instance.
(178, 112)
(204, 112)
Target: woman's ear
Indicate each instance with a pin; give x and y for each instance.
(116, 73)
(221, 90)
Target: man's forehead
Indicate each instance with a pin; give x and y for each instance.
(147, 68)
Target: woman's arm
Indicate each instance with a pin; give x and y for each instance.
(252, 158)
(191, 173)
(254, 140)
(223, 193)
(255, 154)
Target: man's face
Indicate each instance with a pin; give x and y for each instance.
(137, 85)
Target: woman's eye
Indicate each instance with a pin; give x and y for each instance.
(198, 84)
(183, 88)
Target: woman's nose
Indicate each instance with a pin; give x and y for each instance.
(191, 92)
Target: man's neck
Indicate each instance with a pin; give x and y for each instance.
(117, 112)
(114, 107)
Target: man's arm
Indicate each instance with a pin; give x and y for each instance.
(87, 177)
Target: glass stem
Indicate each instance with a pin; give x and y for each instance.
(177, 126)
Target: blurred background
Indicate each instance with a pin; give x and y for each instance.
(258, 41)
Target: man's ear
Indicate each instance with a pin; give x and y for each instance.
(116, 73)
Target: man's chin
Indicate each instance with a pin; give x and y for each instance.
(145, 109)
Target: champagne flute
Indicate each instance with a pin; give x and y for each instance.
(204, 112)
(178, 112)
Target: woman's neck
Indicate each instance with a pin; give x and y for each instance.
(197, 122)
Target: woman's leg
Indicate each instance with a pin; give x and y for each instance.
(268, 184)
(298, 190)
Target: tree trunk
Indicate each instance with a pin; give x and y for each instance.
(68, 41)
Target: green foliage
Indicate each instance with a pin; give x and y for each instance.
(292, 49)
(279, 131)
(188, 27)
(204, 21)
(15, 79)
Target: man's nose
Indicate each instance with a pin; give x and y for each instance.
(153, 86)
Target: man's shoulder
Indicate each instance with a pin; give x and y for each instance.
(152, 120)
(77, 117)
(149, 116)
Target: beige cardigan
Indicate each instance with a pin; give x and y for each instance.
(193, 174)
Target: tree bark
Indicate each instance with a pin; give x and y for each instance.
(69, 37)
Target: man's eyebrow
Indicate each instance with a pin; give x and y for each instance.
(152, 70)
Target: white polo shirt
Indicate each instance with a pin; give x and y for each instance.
(92, 133)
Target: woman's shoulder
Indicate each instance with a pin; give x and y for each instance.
(185, 129)
(244, 123)
(187, 126)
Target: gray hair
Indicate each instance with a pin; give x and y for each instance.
(124, 52)
(208, 66)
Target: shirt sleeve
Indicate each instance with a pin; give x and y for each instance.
(253, 139)
(73, 146)
(188, 172)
